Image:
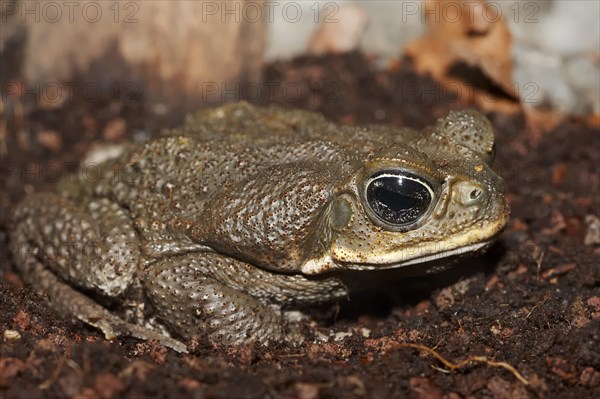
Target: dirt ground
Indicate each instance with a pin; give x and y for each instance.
(527, 313)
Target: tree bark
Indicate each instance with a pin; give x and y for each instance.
(179, 52)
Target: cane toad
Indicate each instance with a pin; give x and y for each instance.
(216, 227)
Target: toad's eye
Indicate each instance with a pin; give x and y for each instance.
(398, 198)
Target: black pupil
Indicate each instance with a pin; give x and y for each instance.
(398, 200)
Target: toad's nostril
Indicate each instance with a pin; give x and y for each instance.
(469, 193)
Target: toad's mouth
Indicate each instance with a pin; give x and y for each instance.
(470, 242)
(326, 263)
(425, 259)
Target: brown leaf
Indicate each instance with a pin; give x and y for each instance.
(467, 43)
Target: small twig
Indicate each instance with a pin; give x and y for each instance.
(53, 377)
(538, 263)
(531, 311)
(441, 370)
(541, 303)
(454, 366)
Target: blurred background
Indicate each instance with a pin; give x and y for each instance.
(78, 74)
(543, 53)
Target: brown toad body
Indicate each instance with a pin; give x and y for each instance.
(245, 211)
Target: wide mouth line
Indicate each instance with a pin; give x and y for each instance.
(472, 242)
(468, 241)
(446, 254)
(465, 249)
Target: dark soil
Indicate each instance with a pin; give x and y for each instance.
(532, 301)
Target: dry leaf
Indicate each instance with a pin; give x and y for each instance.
(467, 48)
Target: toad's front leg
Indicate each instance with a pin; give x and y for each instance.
(229, 301)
